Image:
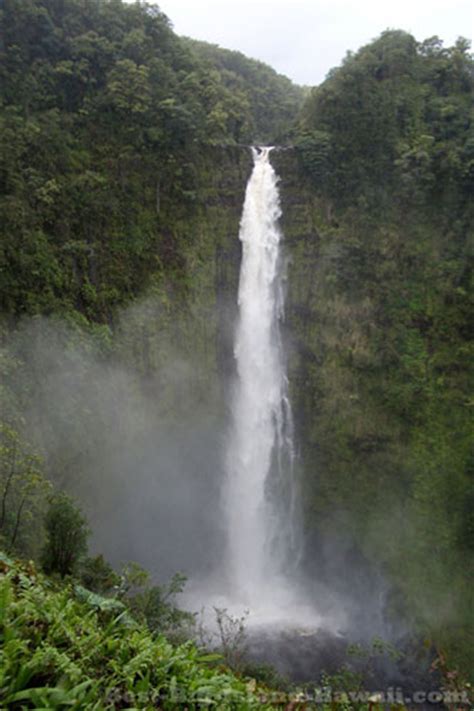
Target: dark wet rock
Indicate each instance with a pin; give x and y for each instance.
(304, 656)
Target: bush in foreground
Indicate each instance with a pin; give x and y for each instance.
(59, 650)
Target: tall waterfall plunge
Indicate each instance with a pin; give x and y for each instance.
(259, 490)
(257, 573)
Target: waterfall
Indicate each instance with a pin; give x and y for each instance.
(258, 573)
(259, 489)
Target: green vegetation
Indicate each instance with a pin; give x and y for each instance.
(61, 651)
(391, 128)
(67, 533)
(271, 101)
(63, 646)
(106, 122)
(23, 491)
(383, 387)
(121, 182)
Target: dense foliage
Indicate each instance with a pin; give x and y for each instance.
(387, 144)
(23, 490)
(66, 536)
(392, 128)
(58, 650)
(106, 122)
(271, 99)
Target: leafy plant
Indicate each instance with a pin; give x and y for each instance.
(59, 651)
(155, 604)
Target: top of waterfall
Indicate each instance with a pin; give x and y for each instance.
(265, 150)
(261, 151)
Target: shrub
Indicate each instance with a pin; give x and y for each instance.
(67, 534)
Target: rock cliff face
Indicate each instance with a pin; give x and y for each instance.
(336, 429)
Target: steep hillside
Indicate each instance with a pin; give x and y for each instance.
(108, 122)
(273, 100)
(63, 650)
(380, 306)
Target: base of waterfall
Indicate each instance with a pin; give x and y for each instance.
(305, 658)
(277, 621)
(284, 631)
(274, 604)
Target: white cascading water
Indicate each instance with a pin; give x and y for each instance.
(259, 491)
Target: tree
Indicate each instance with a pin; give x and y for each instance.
(22, 489)
(67, 534)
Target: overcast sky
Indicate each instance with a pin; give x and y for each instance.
(305, 38)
